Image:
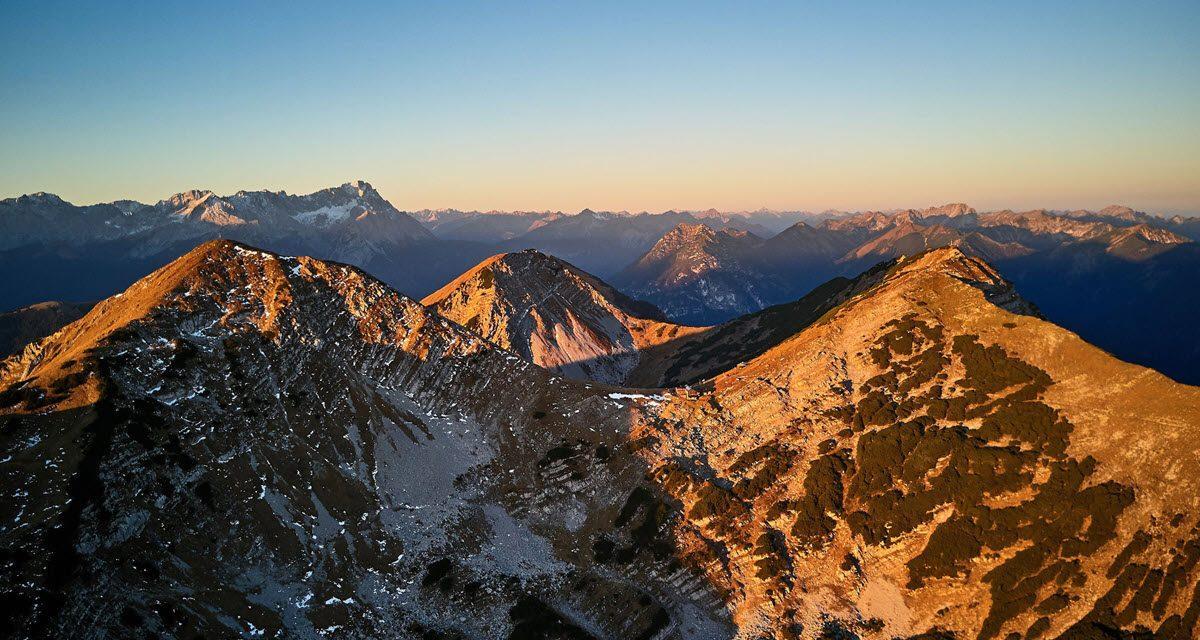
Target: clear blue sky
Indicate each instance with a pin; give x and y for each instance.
(616, 105)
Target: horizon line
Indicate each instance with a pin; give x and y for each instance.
(632, 212)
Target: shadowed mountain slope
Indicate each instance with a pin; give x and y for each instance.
(28, 324)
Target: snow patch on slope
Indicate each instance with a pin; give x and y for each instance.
(327, 216)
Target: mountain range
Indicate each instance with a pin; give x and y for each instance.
(1124, 280)
(47, 243)
(249, 444)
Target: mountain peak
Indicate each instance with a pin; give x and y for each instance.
(693, 265)
(976, 272)
(1157, 234)
(216, 266)
(529, 268)
(554, 315)
(698, 238)
(952, 210)
(41, 197)
(685, 231)
(191, 196)
(360, 187)
(220, 283)
(1140, 241)
(937, 258)
(221, 249)
(692, 228)
(1117, 210)
(203, 206)
(800, 226)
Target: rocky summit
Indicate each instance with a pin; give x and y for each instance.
(245, 444)
(556, 316)
(696, 273)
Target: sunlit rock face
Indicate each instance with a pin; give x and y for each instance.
(556, 316)
(249, 444)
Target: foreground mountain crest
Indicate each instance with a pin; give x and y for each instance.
(250, 444)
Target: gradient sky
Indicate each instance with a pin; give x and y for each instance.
(615, 106)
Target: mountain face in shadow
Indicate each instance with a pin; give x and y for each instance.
(243, 443)
(29, 324)
(1137, 310)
